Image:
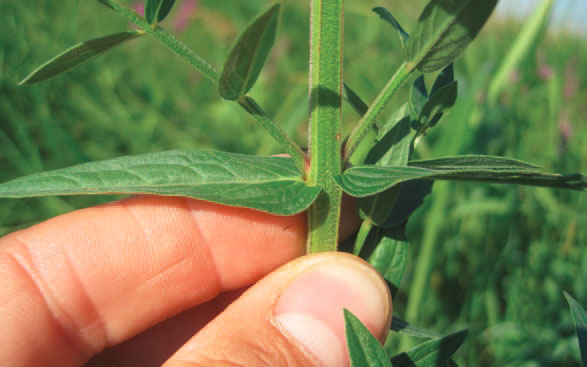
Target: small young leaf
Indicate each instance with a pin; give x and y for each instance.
(78, 55)
(446, 76)
(433, 353)
(364, 349)
(418, 97)
(368, 180)
(580, 319)
(270, 184)
(404, 327)
(157, 10)
(386, 16)
(436, 105)
(246, 59)
(390, 257)
(445, 28)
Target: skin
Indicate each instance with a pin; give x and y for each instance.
(130, 282)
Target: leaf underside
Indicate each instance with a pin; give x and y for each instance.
(77, 55)
(247, 57)
(368, 180)
(270, 184)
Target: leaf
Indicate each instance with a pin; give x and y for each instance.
(485, 161)
(393, 149)
(157, 10)
(78, 55)
(436, 105)
(445, 77)
(246, 59)
(433, 353)
(386, 16)
(354, 100)
(404, 327)
(364, 349)
(401, 113)
(390, 257)
(445, 28)
(368, 180)
(580, 320)
(270, 184)
(418, 97)
(410, 197)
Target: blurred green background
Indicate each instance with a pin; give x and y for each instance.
(491, 258)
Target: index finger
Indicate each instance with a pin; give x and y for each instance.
(84, 281)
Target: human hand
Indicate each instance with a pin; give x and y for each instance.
(152, 279)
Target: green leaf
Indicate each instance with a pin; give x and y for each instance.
(248, 55)
(354, 100)
(157, 10)
(445, 28)
(410, 197)
(436, 105)
(404, 327)
(392, 149)
(368, 180)
(580, 319)
(386, 16)
(445, 77)
(78, 55)
(390, 257)
(479, 161)
(364, 349)
(433, 353)
(270, 184)
(418, 97)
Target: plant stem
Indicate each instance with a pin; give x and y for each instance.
(368, 120)
(276, 132)
(248, 103)
(325, 122)
(163, 36)
(362, 235)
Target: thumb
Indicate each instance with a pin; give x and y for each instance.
(294, 317)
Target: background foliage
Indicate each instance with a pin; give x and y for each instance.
(494, 258)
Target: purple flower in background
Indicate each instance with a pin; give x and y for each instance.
(186, 11)
(139, 7)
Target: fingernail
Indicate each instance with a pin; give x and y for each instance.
(310, 310)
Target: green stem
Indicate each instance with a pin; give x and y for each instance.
(325, 122)
(163, 36)
(368, 120)
(362, 236)
(276, 132)
(249, 104)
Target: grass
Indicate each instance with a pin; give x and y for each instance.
(492, 258)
